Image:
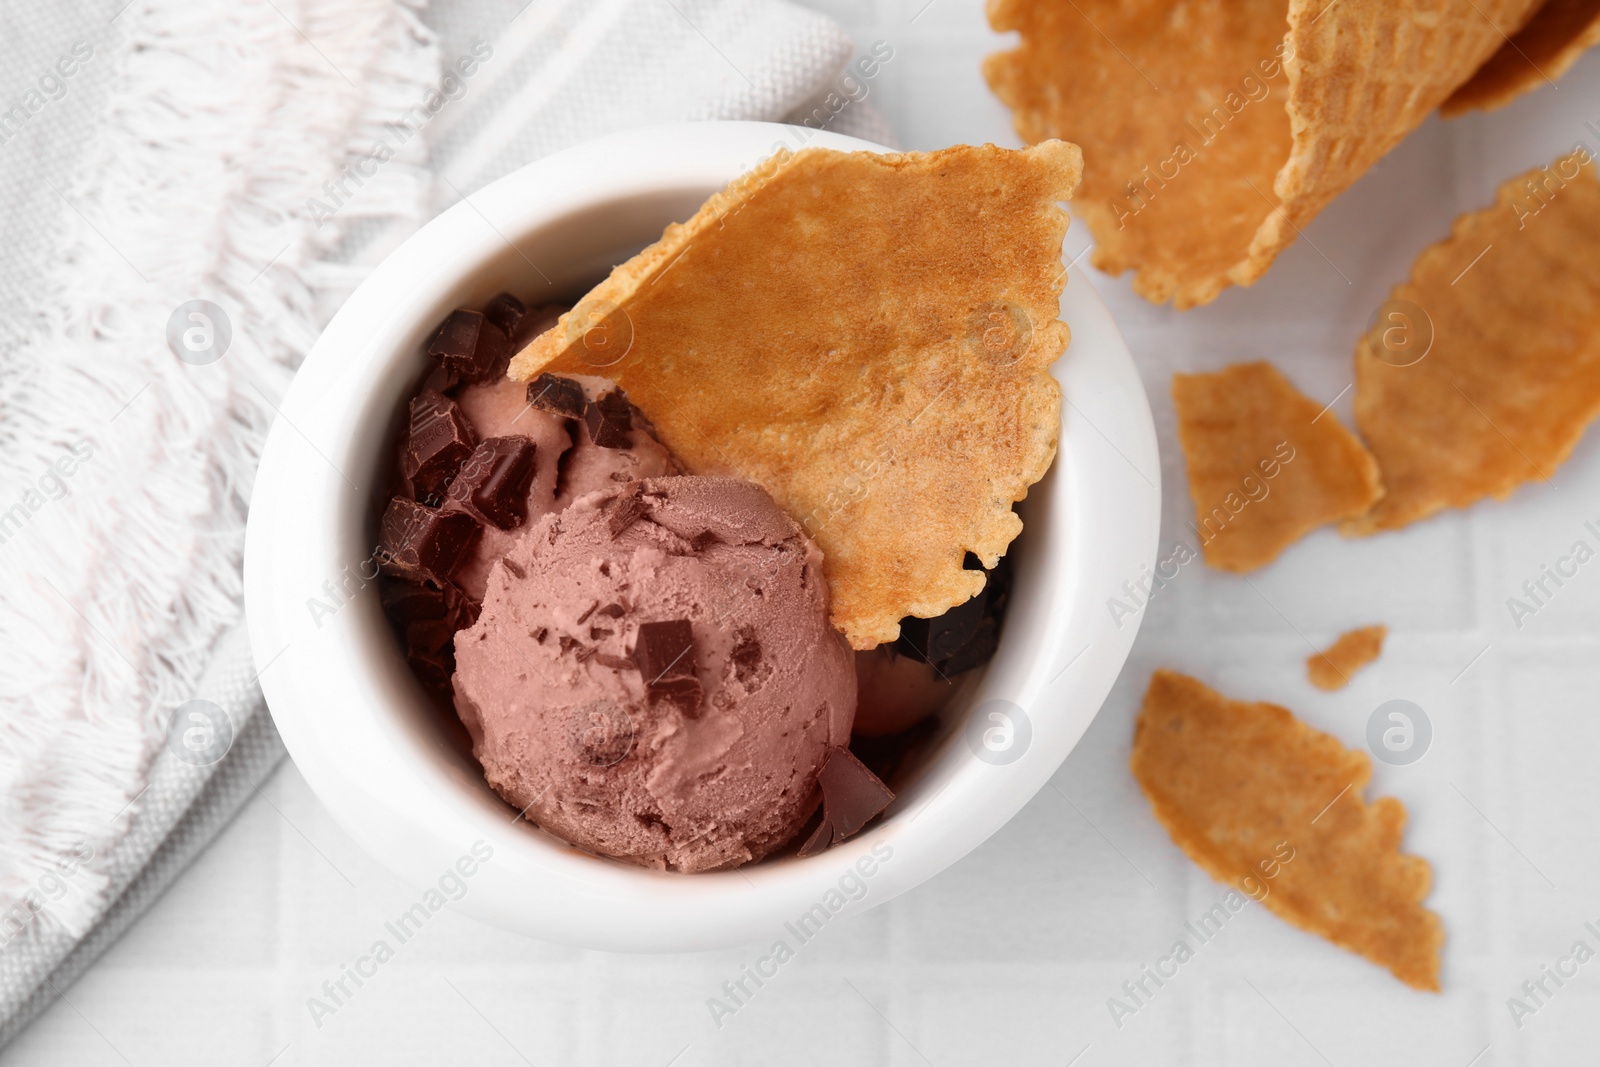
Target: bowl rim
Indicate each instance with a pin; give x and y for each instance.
(1091, 524)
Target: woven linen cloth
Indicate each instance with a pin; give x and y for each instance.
(162, 152)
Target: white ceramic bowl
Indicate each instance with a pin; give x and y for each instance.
(402, 782)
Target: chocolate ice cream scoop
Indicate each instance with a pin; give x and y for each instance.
(654, 677)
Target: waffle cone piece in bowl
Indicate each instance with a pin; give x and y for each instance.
(869, 337)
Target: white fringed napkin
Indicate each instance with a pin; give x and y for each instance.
(220, 168)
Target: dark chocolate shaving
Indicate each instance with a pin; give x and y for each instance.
(616, 663)
(615, 611)
(423, 544)
(493, 482)
(557, 395)
(514, 567)
(625, 509)
(506, 312)
(609, 418)
(438, 440)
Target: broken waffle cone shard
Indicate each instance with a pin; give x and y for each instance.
(1215, 132)
(1264, 803)
(1512, 376)
(1266, 464)
(1333, 667)
(869, 337)
(1542, 51)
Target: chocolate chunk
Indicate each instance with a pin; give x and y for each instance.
(598, 632)
(434, 671)
(704, 540)
(493, 483)
(456, 339)
(977, 651)
(567, 643)
(506, 312)
(408, 602)
(430, 636)
(489, 359)
(625, 510)
(438, 440)
(821, 838)
(664, 650)
(465, 610)
(932, 640)
(609, 418)
(968, 634)
(470, 346)
(851, 794)
(422, 543)
(664, 654)
(430, 651)
(440, 380)
(557, 395)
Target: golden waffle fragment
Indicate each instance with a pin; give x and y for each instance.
(1559, 32)
(1333, 668)
(1215, 130)
(867, 336)
(1512, 302)
(1261, 801)
(1266, 464)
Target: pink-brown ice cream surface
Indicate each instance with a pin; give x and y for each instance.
(561, 717)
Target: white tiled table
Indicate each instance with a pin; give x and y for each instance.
(1011, 955)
